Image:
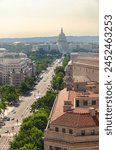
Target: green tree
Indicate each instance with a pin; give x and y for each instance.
(60, 69)
(31, 132)
(57, 81)
(2, 107)
(9, 93)
(28, 147)
(24, 87)
(45, 102)
(65, 60)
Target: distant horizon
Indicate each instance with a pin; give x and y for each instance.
(51, 39)
(47, 36)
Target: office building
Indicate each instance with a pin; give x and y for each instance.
(74, 122)
(15, 67)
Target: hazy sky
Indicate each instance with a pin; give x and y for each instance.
(24, 18)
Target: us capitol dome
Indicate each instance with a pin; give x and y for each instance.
(62, 42)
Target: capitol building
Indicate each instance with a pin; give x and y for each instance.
(62, 42)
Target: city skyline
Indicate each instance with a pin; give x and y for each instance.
(40, 18)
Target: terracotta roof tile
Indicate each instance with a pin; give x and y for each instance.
(70, 119)
(65, 95)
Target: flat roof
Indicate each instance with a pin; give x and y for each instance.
(65, 95)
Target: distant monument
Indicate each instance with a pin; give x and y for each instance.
(62, 43)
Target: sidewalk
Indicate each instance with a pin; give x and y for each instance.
(8, 110)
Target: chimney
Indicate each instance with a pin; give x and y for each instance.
(67, 106)
(92, 111)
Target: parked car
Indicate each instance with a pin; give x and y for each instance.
(12, 119)
(6, 118)
(2, 123)
(6, 131)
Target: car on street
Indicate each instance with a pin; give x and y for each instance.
(12, 118)
(37, 97)
(6, 118)
(7, 131)
(14, 112)
(2, 123)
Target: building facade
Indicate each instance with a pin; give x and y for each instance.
(73, 125)
(82, 68)
(15, 67)
(74, 120)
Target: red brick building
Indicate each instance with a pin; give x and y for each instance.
(72, 126)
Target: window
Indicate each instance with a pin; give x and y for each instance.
(77, 103)
(83, 132)
(63, 130)
(92, 132)
(70, 131)
(85, 103)
(56, 129)
(50, 148)
(93, 102)
(57, 148)
(77, 86)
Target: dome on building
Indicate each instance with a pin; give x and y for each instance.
(62, 42)
(62, 36)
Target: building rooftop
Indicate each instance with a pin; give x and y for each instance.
(87, 59)
(12, 55)
(13, 61)
(58, 110)
(3, 49)
(71, 119)
(87, 63)
(13, 58)
(88, 54)
(65, 95)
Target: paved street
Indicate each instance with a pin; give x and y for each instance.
(23, 110)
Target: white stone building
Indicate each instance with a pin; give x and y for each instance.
(62, 42)
(15, 67)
